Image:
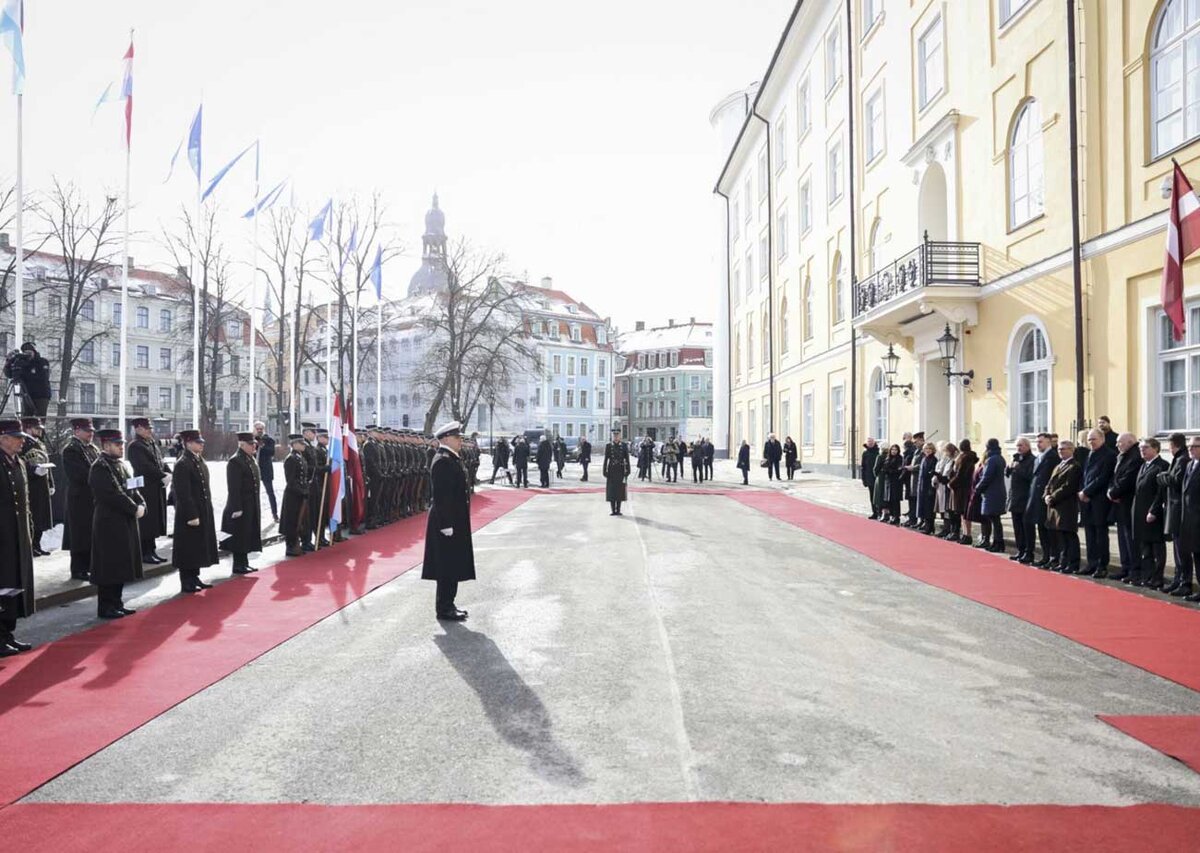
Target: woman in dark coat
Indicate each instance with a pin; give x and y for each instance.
(743, 462)
(242, 518)
(870, 456)
(116, 541)
(791, 454)
(926, 491)
(195, 543)
(893, 484)
(1062, 507)
(960, 491)
(1171, 484)
(500, 459)
(877, 502)
(992, 496)
(616, 472)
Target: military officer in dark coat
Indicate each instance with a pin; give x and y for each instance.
(116, 540)
(318, 492)
(77, 458)
(297, 478)
(242, 518)
(16, 539)
(449, 554)
(146, 457)
(195, 545)
(616, 472)
(39, 474)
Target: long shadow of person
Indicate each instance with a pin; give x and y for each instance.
(511, 705)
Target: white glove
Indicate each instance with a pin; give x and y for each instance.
(195, 522)
(237, 514)
(141, 510)
(41, 471)
(52, 490)
(447, 531)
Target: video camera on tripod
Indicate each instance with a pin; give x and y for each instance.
(28, 377)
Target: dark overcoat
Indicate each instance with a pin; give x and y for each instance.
(545, 454)
(1020, 482)
(743, 460)
(991, 485)
(318, 489)
(585, 452)
(1171, 482)
(1097, 477)
(877, 499)
(448, 558)
(791, 452)
(616, 470)
(1148, 499)
(116, 537)
(1063, 492)
(34, 455)
(772, 450)
(16, 534)
(1189, 522)
(961, 479)
(297, 476)
(147, 460)
(244, 496)
(520, 454)
(1122, 486)
(77, 459)
(266, 456)
(870, 456)
(1043, 467)
(894, 488)
(926, 493)
(193, 547)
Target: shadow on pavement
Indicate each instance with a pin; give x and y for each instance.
(513, 708)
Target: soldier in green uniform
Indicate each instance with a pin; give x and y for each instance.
(616, 472)
(242, 518)
(116, 540)
(40, 476)
(297, 479)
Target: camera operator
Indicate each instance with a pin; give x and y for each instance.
(32, 372)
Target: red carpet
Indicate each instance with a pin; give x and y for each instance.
(73, 697)
(1178, 737)
(661, 828)
(1131, 628)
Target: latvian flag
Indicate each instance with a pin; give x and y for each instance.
(337, 467)
(1183, 238)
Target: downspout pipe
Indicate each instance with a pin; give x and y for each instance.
(851, 148)
(770, 270)
(1076, 240)
(729, 327)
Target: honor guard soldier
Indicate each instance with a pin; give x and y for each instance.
(297, 477)
(616, 472)
(39, 474)
(449, 554)
(77, 459)
(308, 524)
(116, 541)
(146, 457)
(369, 448)
(195, 545)
(242, 518)
(16, 539)
(318, 502)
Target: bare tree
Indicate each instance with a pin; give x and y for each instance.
(479, 341)
(8, 266)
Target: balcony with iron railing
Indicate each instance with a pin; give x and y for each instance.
(933, 264)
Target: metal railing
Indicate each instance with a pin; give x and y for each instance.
(934, 262)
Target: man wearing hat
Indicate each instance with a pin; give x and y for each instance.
(116, 541)
(242, 518)
(16, 542)
(195, 545)
(296, 477)
(616, 471)
(146, 457)
(449, 554)
(319, 499)
(309, 431)
(35, 379)
(39, 474)
(77, 458)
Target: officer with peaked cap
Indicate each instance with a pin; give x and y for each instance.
(195, 545)
(16, 541)
(146, 458)
(116, 540)
(242, 518)
(616, 472)
(296, 477)
(77, 458)
(39, 474)
(308, 523)
(449, 554)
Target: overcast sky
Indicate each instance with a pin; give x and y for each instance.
(572, 136)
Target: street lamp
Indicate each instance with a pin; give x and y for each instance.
(948, 347)
(891, 365)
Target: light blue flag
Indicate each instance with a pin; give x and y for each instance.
(220, 176)
(377, 273)
(350, 249)
(267, 201)
(12, 33)
(316, 228)
(193, 145)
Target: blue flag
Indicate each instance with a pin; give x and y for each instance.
(377, 273)
(12, 32)
(219, 176)
(193, 146)
(267, 201)
(350, 249)
(316, 228)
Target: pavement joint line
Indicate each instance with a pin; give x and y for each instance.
(687, 757)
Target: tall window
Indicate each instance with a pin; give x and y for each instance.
(876, 256)
(781, 146)
(87, 396)
(142, 353)
(1179, 374)
(806, 206)
(872, 11)
(116, 355)
(583, 398)
(164, 320)
(164, 358)
(807, 320)
(766, 340)
(781, 235)
(783, 325)
(87, 353)
(833, 176)
(837, 415)
(875, 134)
(1008, 8)
(764, 256)
(838, 291)
(931, 68)
(879, 406)
(142, 396)
(557, 397)
(117, 314)
(749, 344)
(601, 368)
(749, 267)
(570, 365)
(737, 285)
(557, 365)
(1027, 182)
(804, 108)
(764, 180)
(164, 399)
(1033, 383)
(735, 219)
(570, 398)
(88, 309)
(143, 317)
(737, 353)
(583, 365)
(833, 58)
(1175, 86)
(806, 418)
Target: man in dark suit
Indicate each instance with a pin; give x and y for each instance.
(545, 455)
(1035, 508)
(912, 449)
(1148, 518)
(1120, 495)
(773, 453)
(1189, 521)
(449, 553)
(1020, 477)
(145, 456)
(1093, 503)
(266, 464)
(710, 451)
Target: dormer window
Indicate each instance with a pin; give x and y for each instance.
(575, 335)
(601, 335)
(641, 361)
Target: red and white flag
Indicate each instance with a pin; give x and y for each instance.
(1183, 238)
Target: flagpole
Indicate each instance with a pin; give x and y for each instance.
(354, 343)
(124, 373)
(329, 350)
(293, 400)
(379, 361)
(20, 294)
(254, 291)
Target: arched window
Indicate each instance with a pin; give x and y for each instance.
(838, 290)
(807, 320)
(749, 344)
(737, 353)
(1031, 364)
(783, 325)
(1026, 176)
(876, 257)
(879, 407)
(766, 339)
(1174, 94)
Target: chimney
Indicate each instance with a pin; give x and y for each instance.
(670, 324)
(547, 282)
(639, 326)
(4, 240)
(129, 262)
(692, 321)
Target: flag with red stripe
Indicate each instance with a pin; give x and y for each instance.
(1183, 238)
(354, 475)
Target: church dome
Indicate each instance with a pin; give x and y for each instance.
(435, 220)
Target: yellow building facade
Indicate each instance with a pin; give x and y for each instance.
(947, 132)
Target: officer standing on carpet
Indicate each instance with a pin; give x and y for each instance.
(449, 554)
(117, 544)
(318, 493)
(297, 478)
(242, 518)
(195, 545)
(77, 458)
(39, 474)
(16, 540)
(616, 472)
(147, 460)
